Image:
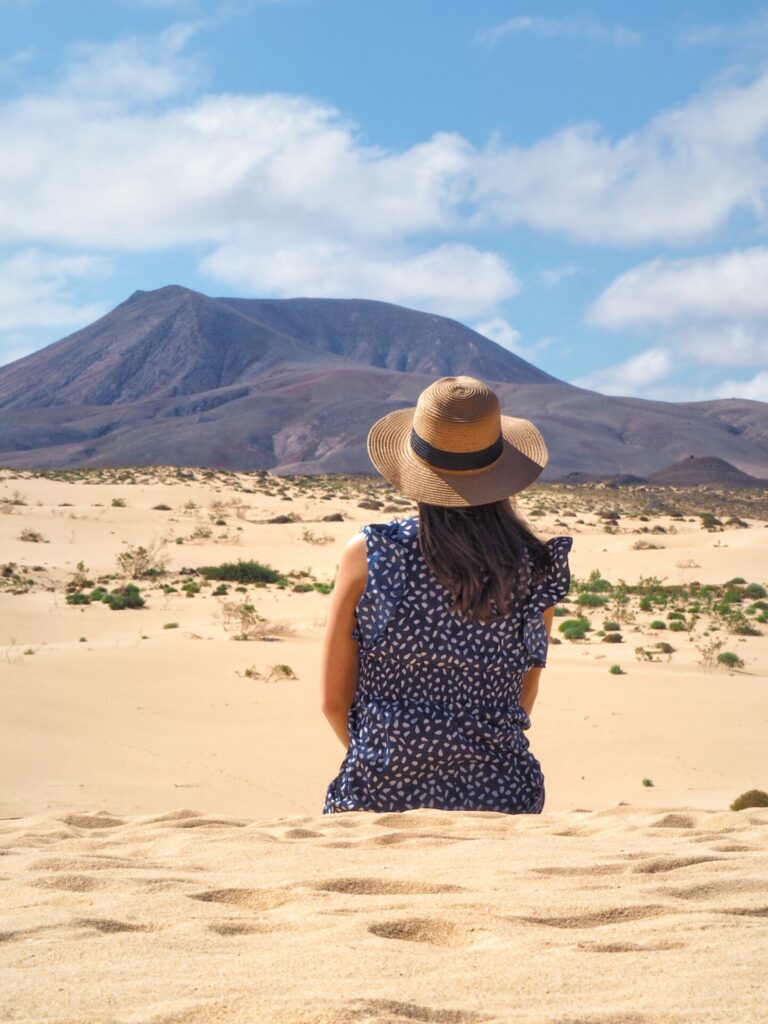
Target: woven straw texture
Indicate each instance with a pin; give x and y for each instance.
(457, 414)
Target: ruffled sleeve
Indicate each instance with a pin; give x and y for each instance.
(553, 587)
(385, 584)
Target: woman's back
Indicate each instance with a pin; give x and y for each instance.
(436, 719)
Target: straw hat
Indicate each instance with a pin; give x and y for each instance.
(455, 448)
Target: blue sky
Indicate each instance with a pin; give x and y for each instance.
(587, 185)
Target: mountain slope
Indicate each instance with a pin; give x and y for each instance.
(174, 377)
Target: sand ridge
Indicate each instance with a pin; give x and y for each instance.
(427, 915)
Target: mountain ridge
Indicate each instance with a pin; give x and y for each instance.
(172, 376)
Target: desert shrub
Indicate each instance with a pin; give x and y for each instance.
(752, 798)
(323, 588)
(613, 638)
(677, 627)
(280, 672)
(141, 562)
(315, 538)
(242, 572)
(118, 503)
(171, 625)
(371, 504)
(575, 629)
(658, 624)
(161, 508)
(611, 627)
(676, 615)
(281, 519)
(730, 660)
(591, 600)
(249, 624)
(617, 670)
(32, 536)
(664, 647)
(124, 597)
(754, 590)
(78, 598)
(302, 588)
(647, 782)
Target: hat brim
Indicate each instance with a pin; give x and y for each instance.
(523, 458)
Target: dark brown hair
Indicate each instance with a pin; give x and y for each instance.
(484, 554)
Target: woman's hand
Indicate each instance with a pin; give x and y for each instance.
(338, 664)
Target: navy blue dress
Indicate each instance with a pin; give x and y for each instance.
(436, 719)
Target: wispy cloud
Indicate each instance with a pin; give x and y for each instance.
(582, 26)
(503, 333)
(724, 286)
(632, 376)
(35, 289)
(750, 31)
(15, 61)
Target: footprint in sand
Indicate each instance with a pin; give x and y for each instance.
(253, 899)
(675, 820)
(230, 928)
(395, 1011)
(91, 821)
(70, 883)
(597, 918)
(381, 887)
(657, 865)
(107, 925)
(587, 869)
(432, 931)
(704, 890)
(629, 947)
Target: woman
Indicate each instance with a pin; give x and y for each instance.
(439, 624)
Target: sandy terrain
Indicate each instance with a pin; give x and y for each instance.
(160, 788)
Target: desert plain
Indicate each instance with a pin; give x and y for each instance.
(163, 856)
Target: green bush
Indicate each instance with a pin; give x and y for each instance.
(617, 670)
(676, 615)
(242, 572)
(658, 624)
(124, 597)
(754, 590)
(611, 627)
(591, 600)
(613, 638)
(677, 627)
(730, 660)
(752, 798)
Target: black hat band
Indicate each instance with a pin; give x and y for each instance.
(441, 459)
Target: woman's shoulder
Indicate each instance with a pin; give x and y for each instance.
(397, 530)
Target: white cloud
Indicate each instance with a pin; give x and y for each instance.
(722, 344)
(581, 27)
(133, 71)
(552, 276)
(678, 178)
(751, 31)
(35, 289)
(504, 334)
(456, 280)
(755, 389)
(283, 194)
(632, 376)
(726, 286)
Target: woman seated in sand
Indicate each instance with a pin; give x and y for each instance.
(438, 625)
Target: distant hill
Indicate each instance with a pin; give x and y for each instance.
(706, 470)
(174, 377)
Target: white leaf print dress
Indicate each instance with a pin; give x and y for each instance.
(436, 719)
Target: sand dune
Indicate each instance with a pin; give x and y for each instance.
(620, 916)
(635, 898)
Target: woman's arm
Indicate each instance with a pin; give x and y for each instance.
(531, 677)
(338, 664)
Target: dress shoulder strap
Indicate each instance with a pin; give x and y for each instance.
(551, 588)
(386, 546)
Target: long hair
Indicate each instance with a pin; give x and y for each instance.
(484, 554)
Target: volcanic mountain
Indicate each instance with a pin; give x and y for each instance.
(173, 377)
